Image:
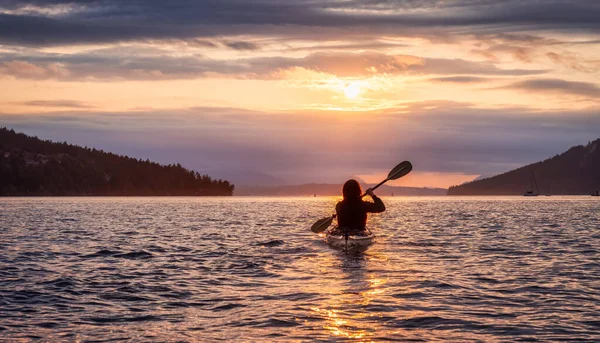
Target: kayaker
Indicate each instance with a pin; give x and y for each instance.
(352, 210)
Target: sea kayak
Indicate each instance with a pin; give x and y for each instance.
(335, 238)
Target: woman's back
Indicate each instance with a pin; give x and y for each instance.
(352, 213)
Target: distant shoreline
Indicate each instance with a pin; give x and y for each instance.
(329, 189)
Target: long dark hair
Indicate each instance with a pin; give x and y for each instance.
(351, 190)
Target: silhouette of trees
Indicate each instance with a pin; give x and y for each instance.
(30, 166)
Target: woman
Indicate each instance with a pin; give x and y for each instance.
(352, 210)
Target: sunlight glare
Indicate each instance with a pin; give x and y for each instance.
(352, 90)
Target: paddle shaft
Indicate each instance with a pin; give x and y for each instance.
(377, 186)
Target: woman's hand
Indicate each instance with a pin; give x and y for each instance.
(370, 192)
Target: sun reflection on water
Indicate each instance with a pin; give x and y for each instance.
(355, 288)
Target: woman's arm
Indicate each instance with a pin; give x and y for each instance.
(376, 206)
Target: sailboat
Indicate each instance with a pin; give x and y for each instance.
(596, 194)
(530, 192)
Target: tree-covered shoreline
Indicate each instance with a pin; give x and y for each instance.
(30, 166)
(574, 172)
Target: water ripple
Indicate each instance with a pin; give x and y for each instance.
(209, 269)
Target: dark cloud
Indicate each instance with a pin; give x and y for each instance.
(354, 46)
(300, 147)
(239, 45)
(586, 42)
(585, 89)
(58, 103)
(516, 39)
(106, 21)
(124, 63)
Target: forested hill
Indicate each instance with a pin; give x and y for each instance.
(576, 171)
(30, 166)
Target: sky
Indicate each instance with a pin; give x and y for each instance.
(302, 91)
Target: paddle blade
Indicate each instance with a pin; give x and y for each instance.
(400, 170)
(322, 224)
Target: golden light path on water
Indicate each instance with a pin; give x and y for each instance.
(358, 289)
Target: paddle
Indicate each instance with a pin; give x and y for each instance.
(399, 171)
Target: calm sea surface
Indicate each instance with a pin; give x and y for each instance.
(249, 269)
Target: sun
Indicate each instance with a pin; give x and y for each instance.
(352, 90)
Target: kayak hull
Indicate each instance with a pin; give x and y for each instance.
(355, 243)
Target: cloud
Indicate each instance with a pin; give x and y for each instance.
(442, 137)
(460, 79)
(58, 103)
(586, 42)
(523, 54)
(360, 45)
(575, 62)
(131, 63)
(64, 22)
(585, 89)
(239, 45)
(27, 70)
(521, 47)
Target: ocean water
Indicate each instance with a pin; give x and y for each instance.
(249, 269)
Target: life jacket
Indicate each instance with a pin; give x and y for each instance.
(352, 214)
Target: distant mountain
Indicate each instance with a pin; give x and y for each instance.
(249, 177)
(30, 166)
(329, 190)
(576, 171)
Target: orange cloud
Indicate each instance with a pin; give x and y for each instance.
(23, 69)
